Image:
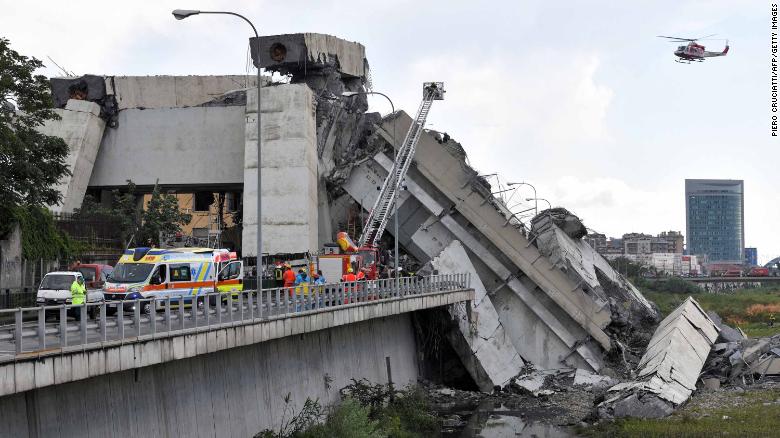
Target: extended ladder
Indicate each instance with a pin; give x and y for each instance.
(377, 218)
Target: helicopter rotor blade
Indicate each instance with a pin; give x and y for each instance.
(680, 39)
(676, 38)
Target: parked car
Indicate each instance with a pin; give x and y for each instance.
(55, 290)
(94, 275)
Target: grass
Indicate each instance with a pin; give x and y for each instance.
(748, 414)
(748, 309)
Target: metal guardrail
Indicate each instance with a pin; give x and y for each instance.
(96, 323)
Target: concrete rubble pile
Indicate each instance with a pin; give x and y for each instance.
(742, 361)
(558, 235)
(330, 66)
(669, 369)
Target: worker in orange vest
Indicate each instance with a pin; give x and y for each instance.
(288, 277)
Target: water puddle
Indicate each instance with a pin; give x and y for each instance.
(489, 419)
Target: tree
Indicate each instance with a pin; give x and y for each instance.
(136, 225)
(162, 215)
(31, 164)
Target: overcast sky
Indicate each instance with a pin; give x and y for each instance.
(579, 98)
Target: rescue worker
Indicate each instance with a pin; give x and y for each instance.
(361, 274)
(302, 277)
(78, 293)
(349, 276)
(771, 320)
(288, 278)
(318, 289)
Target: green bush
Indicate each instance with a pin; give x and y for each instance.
(349, 419)
(366, 411)
(41, 239)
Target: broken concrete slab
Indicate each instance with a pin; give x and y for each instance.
(642, 406)
(293, 53)
(727, 333)
(557, 234)
(452, 194)
(670, 367)
(487, 351)
(588, 379)
(768, 365)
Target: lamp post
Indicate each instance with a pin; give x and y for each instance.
(181, 14)
(540, 199)
(536, 201)
(397, 183)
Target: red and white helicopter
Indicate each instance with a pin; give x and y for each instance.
(694, 51)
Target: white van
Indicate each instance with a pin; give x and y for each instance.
(55, 290)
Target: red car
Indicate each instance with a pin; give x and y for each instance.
(94, 275)
(758, 272)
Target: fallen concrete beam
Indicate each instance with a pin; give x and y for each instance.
(450, 175)
(670, 367)
(484, 346)
(582, 263)
(557, 340)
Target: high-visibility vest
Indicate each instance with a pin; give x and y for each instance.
(77, 293)
(289, 278)
(349, 277)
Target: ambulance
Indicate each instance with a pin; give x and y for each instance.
(185, 273)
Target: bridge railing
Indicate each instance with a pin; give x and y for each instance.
(35, 329)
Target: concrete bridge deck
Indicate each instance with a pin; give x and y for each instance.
(55, 353)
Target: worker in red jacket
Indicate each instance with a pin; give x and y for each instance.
(349, 276)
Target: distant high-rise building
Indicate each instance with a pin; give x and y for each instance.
(715, 218)
(751, 256)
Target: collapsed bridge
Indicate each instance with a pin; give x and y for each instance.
(542, 296)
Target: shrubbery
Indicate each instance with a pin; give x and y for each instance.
(366, 411)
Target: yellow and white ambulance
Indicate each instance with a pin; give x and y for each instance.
(180, 273)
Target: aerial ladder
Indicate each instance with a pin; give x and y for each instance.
(377, 219)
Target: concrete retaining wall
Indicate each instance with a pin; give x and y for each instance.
(230, 393)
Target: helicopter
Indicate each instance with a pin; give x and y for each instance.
(694, 51)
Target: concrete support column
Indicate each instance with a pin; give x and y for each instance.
(289, 171)
(82, 129)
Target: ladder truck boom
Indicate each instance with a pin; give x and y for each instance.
(377, 219)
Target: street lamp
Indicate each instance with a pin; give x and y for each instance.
(181, 14)
(536, 202)
(540, 199)
(397, 183)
